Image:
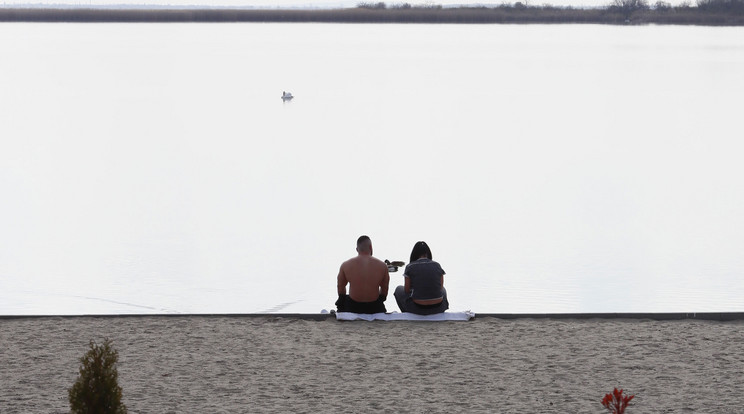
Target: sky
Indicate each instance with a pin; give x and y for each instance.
(308, 3)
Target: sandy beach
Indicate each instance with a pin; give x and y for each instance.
(220, 364)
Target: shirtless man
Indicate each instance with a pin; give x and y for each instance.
(368, 281)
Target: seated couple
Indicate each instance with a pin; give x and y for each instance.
(423, 291)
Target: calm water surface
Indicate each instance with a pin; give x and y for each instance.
(154, 168)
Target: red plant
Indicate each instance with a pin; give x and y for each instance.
(617, 402)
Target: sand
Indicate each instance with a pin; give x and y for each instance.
(273, 364)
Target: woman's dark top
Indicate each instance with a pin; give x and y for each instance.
(425, 278)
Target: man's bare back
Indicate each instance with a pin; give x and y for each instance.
(367, 276)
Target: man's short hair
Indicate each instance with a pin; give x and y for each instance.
(364, 243)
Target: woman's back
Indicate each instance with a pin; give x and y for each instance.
(425, 278)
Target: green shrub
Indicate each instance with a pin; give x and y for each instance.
(96, 390)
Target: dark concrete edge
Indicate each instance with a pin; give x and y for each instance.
(705, 316)
(303, 316)
(668, 316)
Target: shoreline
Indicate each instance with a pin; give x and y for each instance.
(505, 14)
(653, 316)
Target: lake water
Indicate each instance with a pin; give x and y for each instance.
(153, 168)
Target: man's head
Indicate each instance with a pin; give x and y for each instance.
(364, 245)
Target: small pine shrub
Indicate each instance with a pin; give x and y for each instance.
(96, 390)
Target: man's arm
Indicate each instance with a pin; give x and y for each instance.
(385, 283)
(341, 282)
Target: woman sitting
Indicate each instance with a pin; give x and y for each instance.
(423, 292)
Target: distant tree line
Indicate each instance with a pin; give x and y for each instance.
(629, 8)
(626, 7)
(397, 6)
(726, 6)
(706, 12)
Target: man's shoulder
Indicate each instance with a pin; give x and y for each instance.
(378, 263)
(349, 262)
(358, 259)
(361, 260)
(376, 260)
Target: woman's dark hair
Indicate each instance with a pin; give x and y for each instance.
(420, 249)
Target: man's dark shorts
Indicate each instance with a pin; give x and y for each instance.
(347, 304)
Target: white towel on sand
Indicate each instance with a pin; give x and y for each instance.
(405, 316)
